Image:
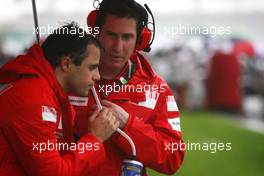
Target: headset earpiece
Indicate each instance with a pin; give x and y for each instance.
(91, 19)
(144, 39)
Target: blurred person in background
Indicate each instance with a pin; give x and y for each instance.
(223, 81)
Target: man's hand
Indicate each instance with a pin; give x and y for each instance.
(120, 114)
(102, 124)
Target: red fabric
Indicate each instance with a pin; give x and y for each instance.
(148, 126)
(223, 86)
(30, 85)
(244, 47)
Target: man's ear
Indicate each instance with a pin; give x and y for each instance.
(66, 63)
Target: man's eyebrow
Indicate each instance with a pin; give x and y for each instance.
(127, 34)
(93, 66)
(111, 33)
(123, 34)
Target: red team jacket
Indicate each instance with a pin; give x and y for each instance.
(153, 125)
(36, 112)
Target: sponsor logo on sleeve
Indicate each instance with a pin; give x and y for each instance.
(171, 104)
(151, 100)
(49, 114)
(175, 124)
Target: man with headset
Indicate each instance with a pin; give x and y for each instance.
(141, 100)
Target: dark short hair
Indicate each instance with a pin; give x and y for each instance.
(68, 40)
(122, 8)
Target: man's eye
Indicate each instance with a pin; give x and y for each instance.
(93, 67)
(112, 35)
(127, 37)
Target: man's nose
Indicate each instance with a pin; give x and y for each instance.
(96, 75)
(118, 44)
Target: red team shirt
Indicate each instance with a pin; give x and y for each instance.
(34, 111)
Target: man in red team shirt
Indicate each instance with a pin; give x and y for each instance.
(147, 112)
(36, 115)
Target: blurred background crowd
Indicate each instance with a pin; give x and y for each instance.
(210, 52)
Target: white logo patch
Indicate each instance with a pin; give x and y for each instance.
(175, 124)
(151, 100)
(49, 114)
(171, 104)
(78, 101)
